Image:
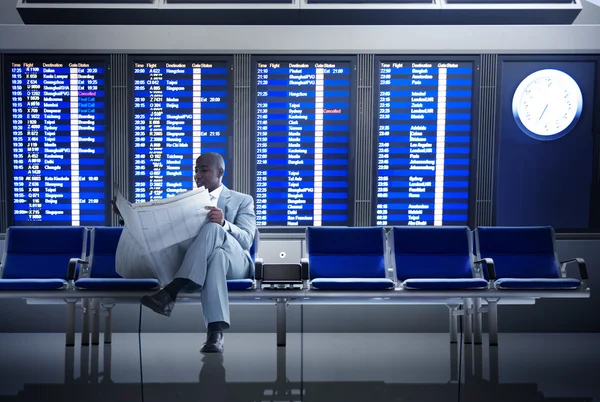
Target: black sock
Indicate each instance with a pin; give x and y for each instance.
(176, 286)
(217, 326)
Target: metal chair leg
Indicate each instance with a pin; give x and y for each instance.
(281, 321)
(478, 328)
(493, 321)
(108, 323)
(85, 325)
(70, 330)
(453, 323)
(95, 321)
(467, 317)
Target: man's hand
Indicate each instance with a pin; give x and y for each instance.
(216, 215)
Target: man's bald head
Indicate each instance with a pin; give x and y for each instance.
(210, 167)
(211, 159)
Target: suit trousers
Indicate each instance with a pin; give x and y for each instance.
(212, 258)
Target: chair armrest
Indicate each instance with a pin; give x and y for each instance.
(258, 268)
(304, 268)
(581, 264)
(73, 267)
(488, 264)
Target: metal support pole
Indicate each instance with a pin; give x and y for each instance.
(85, 325)
(281, 388)
(281, 365)
(468, 363)
(107, 372)
(281, 321)
(84, 365)
(94, 364)
(478, 328)
(69, 365)
(493, 321)
(478, 362)
(70, 330)
(95, 321)
(108, 323)
(454, 376)
(453, 323)
(468, 326)
(494, 369)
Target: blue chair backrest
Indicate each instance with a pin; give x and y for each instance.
(346, 252)
(254, 251)
(88, 245)
(519, 252)
(431, 252)
(104, 242)
(42, 252)
(254, 248)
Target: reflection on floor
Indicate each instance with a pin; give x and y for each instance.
(312, 368)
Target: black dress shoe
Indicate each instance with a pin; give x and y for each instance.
(160, 303)
(214, 343)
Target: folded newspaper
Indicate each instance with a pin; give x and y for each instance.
(158, 233)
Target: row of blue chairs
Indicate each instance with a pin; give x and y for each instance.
(437, 258)
(74, 266)
(453, 266)
(425, 258)
(58, 258)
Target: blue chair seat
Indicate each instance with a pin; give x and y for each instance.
(239, 284)
(538, 283)
(352, 283)
(445, 284)
(32, 284)
(116, 284)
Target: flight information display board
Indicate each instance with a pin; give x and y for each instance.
(424, 144)
(180, 110)
(58, 120)
(302, 132)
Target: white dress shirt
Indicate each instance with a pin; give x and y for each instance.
(215, 194)
(214, 197)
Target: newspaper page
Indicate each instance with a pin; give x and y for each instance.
(158, 233)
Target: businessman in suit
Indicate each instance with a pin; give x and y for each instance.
(219, 252)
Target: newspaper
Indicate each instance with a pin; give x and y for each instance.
(157, 234)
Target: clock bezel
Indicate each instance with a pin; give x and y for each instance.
(548, 72)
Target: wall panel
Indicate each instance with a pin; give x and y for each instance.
(301, 39)
(365, 139)
(119, 126)
(486, 141)
(243, 132)
(4, 181)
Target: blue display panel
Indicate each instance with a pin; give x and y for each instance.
(58, 122)
(547, 153)
(424, 145)
(302, 132)
(180, 110)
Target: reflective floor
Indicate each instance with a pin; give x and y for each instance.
(313, 368)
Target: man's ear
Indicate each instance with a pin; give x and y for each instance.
(220, 173)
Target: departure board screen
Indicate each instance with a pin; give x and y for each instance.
(424, 143)
(302, 133)
(59, 132)
(181, 109)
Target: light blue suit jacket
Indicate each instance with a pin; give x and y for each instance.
(238, 209)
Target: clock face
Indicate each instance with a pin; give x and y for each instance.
(547, 104)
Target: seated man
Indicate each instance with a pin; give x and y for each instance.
(219, 252)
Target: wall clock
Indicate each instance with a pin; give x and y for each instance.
(547, 104)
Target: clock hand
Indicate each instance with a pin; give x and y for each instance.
(544, 111)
